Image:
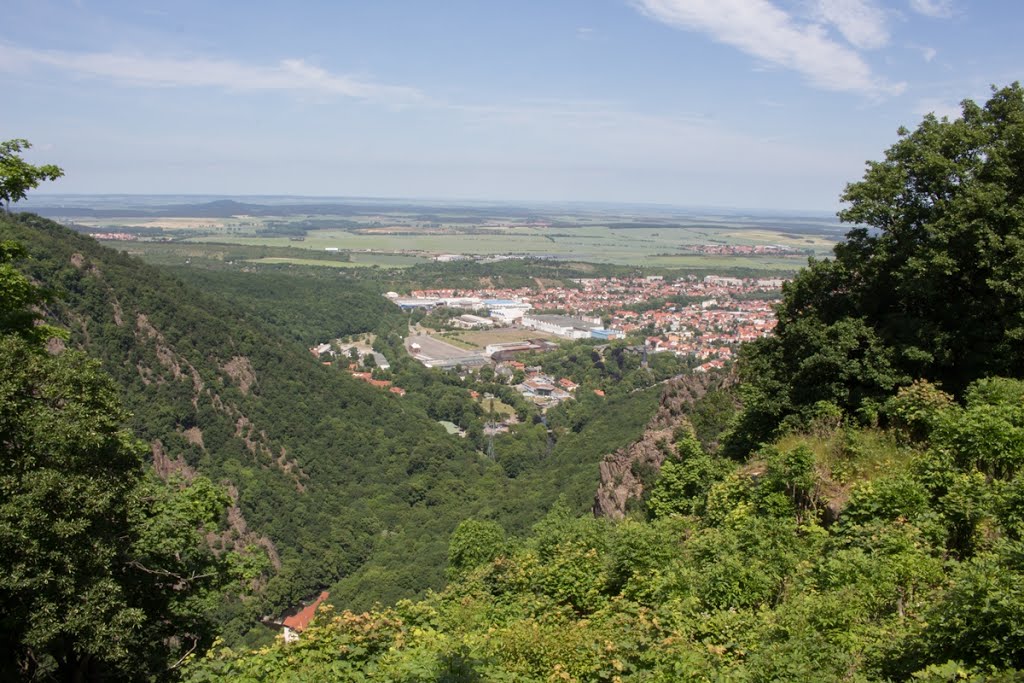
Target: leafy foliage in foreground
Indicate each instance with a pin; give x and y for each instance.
(839, 555)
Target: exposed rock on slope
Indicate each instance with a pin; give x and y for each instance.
(621, 471)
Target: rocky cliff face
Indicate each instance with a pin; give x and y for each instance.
(623, 472)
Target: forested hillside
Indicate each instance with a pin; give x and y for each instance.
(306, 307)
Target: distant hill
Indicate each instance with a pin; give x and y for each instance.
(221, 208)
(225, 208)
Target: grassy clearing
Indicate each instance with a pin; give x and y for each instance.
(847, 456)
(455, 339)
(481, 338)
(497, 406)
(274, 260)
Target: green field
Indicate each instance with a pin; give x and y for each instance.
(638, 246)
(357, 261)
(276, 260)
(499, 407)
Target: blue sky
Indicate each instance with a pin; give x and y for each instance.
(734, 103)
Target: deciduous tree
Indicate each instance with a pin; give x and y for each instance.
(17, 176)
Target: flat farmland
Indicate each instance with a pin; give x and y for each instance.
(277, 260)
(182, 223)
(394, 234)
(768, 264)
(356, 260)
(634, 246)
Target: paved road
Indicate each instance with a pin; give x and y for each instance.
(434, 348)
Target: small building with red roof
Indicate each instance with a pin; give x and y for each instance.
(298, 622)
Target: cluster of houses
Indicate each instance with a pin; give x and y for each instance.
(745, 250)
(327, 350)
(504, 312)
(706, 330)
(543, 390)
(721, 313)
(725, 312)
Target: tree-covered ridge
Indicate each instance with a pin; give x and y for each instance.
(305, 307)
(325, 467)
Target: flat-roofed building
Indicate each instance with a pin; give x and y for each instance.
(463, 302)
(507, 310)
(561, 325)
(470, 322)
(408, 303)
(606, 334)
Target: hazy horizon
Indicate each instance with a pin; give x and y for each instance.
(42, 199)
(746, 103)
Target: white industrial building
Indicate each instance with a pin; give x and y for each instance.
(507, 311)
(470, 322)
(562, 325)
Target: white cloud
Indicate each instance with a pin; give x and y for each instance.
(137, 69)
(860, 21)
(940, 9)
(928, 53)
(938, 107)
(762, 30)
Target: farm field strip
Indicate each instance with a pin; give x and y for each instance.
(636, 246)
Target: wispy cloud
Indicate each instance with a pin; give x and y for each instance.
(161, 72)
(940, 9)
(928, 53)
(860, 21)
(940, 108)
(760, 29)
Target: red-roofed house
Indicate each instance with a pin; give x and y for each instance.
(297, 623)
